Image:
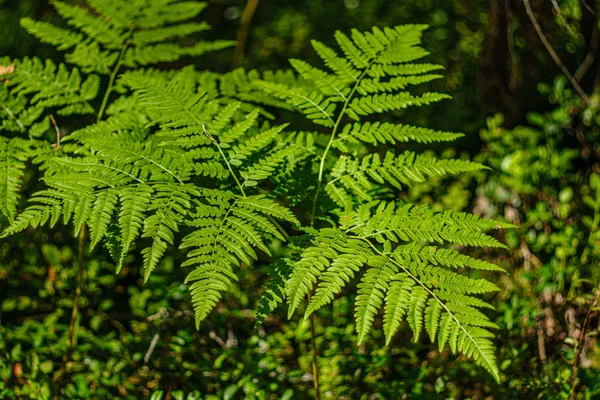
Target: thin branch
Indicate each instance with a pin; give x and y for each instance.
(73, 328)
(589, 57)
(113, 75)
(580, 344)
(242, 33)
(57, 131)
(553, 54)
(588, 8)
(151, 348)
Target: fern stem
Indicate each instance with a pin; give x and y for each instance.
(339, 119)
(315, 365)
(332, 139)
(72, 333)
(314, 204)
(113, 76)
(239, 185)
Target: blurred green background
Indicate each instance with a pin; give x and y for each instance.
(521, 117)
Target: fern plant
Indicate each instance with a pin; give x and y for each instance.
(192, 159)
(394, 249)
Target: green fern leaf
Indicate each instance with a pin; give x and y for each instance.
(134, 203)
(371, 293)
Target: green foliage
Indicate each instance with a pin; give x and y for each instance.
(195, 160)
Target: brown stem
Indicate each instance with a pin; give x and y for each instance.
(72, 334)
(589, 58)
(57, 129)
(580, 344)
(553, 54)
(315, 365)
(242, 33)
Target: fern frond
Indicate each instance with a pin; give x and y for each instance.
(380, 103)
(342, 68)
(414, 223)
(226, 234)
(170, 204)
(314, 105)
(14, 153)
(54, 86)
(440, 256)
(94, 27)
(382, 133)
(341, 270)
(134, 32)
(63, 39)
(362, 176)
(397, 302)
(371, 293)
(240, 85)
(103, 208)
(134, 203)
(330, 85)
(34, 216)
(326, 246)
(267, 166)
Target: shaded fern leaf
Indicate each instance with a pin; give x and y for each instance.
(273, 290)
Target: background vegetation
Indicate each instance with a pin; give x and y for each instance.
(522, 116)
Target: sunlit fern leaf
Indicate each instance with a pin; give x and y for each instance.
(227, 231)
(313, 104)
(341, 270)
(134, 204)
(376, 133)
(104, 205)
(441, 256)
(412, 223)
(34, 216)
(14, 153)
(380, 103)
(362, 176)
(327, 246)
(329, 84)
(267, 165)
(239, 84)
(371, 293)
(397, 302)
(62, 39)
(173, 104)
(170, 203)
(134, 33)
